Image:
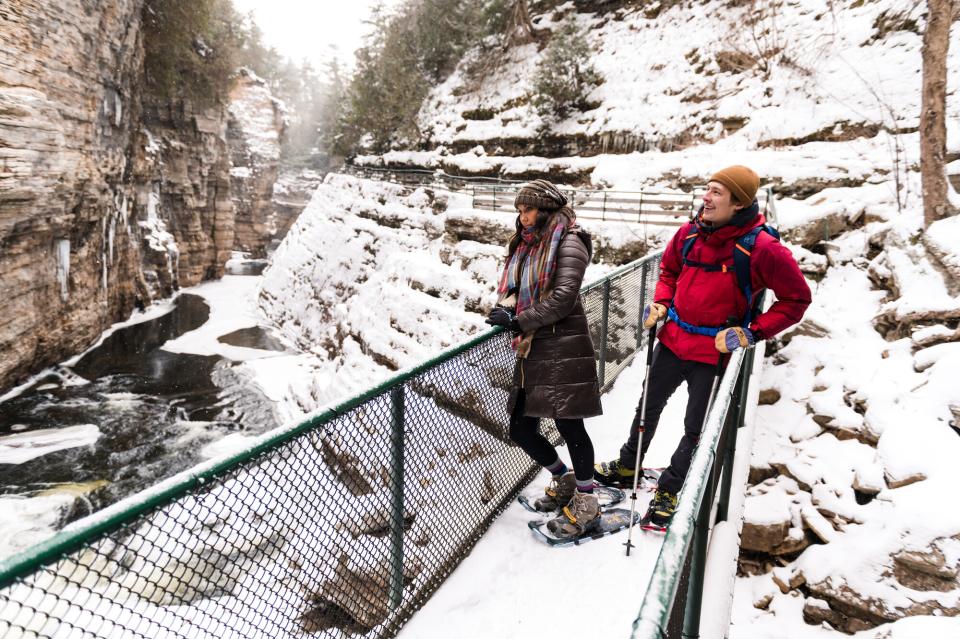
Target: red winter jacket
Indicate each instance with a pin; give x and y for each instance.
(708, 298)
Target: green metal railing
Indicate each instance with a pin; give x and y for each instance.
(342, 525)
(674, 597)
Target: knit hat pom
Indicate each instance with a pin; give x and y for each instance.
(540, 194)
(742, 181)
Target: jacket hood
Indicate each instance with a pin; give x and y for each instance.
(585, 236)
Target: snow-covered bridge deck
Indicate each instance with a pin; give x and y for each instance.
(512, 585)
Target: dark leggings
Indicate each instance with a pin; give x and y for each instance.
(526, 432)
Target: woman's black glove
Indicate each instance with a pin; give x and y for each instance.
(505, 317)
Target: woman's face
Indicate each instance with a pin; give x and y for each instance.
(528, 214)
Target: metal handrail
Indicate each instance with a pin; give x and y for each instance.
(485, 191)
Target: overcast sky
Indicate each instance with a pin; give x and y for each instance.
(307, 28)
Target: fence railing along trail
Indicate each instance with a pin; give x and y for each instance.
(659, 207)
(346, 523)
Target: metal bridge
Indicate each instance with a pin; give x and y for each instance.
(347, 523)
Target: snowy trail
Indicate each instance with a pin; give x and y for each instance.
(512, 585)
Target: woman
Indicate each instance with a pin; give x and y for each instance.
(555, 375)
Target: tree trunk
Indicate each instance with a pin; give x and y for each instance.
(933, 126)
(521, 27)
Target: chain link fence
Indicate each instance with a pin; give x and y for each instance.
(343, 525)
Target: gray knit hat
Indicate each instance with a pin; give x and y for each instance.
(541, 194)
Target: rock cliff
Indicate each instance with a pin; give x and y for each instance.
(109, 197)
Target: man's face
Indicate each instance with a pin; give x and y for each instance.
(528, 214)
(718, 207)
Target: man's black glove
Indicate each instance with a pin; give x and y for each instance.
(505, 317)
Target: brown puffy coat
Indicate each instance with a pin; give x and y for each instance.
(559, 375)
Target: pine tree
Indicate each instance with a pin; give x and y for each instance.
(565, 76)
(190, 48)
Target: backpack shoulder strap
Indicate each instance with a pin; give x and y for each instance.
(741, 263)
(688, 241)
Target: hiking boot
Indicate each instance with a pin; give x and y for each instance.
(557, 493)
(614, 473)
(579, 517)
(660, 512)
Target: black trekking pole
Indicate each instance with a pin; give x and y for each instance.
(713, 390)
(731, 322)
(651, 336)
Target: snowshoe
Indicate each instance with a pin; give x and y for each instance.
(611, 521)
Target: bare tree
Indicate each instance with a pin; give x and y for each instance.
(933, 127)
(520, 29)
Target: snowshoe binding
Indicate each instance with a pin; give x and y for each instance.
(607, 497)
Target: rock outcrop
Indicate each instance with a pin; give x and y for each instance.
(254, 132)
(109, 197)
(182, 187)
(69, 97)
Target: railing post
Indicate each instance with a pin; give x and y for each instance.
(603, 210)
(494, 198)
(640, 208)
(396, 489)
(726, 479)
(694, 602)
(601, 374)
(643, 301)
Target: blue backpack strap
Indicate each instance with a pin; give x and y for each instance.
(741, 265)
(688, 243)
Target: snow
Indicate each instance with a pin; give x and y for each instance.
(944, 236)
(232, 302)
(22, 447)
(365, 285)
(901, 400)
(257, 114)
(63, 267)
(359, 282)
(24, 520)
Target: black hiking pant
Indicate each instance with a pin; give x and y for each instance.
(667, 372)
(525, 431)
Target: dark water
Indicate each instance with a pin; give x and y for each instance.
(247, 267)
(253, 337)
(155, 410)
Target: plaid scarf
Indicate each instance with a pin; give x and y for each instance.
(530, 269)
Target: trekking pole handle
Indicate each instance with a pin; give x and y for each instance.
(651, 337)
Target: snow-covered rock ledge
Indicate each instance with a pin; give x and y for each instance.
(850, 523)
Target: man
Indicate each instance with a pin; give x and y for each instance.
(698, 294)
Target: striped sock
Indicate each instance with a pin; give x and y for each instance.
(557, 468)
(585, 485)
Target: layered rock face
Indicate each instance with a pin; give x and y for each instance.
(109, 198)
(181, 170)
(69, 262)
(255, 130)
